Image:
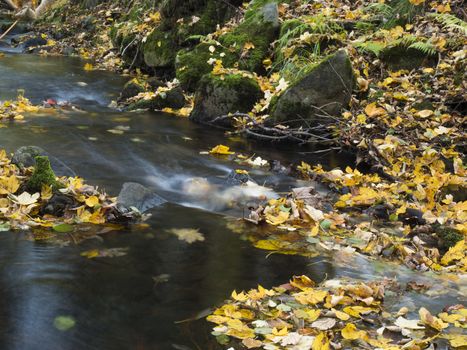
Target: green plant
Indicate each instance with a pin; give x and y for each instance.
(451, 22)
(395, 12)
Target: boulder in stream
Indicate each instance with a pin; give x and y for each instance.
(24, 157)
(218, 96)
(173, 98)
(138, 196)
(325, 89)
(33, 42)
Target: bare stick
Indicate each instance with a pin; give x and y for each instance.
(9, 29)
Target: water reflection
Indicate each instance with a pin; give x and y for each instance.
(115, 301)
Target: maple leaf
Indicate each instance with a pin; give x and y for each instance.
(188, 235)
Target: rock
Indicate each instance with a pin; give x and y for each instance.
(177, 26)
(136, 195)
(259, 29)
(68, 51)
(218, 96)
(24, 157)
(33, 42)
(412, 217)
(191, 65)
(400, 57)
(58, 204)
(173, 98)
(326, 88)
(448, 236)
(236, 179)
(160, 49)
(131, 89)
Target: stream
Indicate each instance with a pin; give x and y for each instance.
(115, 301)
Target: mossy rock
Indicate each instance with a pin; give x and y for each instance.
(191, 65)
(125, 41)
(260, 28)
(160, 49)
(325, 88)
(165, 41)
(448, 236)
(132, 88)
(173, 98)
(43, 175)
(400, 57)
(220, 95)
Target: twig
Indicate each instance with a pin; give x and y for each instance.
(9, 29)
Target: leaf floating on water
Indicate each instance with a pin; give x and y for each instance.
(88, 67)
(188, 235)
(221, 150)
(63, 228)
(5, 226)
(162, 278)
(105, 253)
(64, 323)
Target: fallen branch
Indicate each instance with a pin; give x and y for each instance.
(9, 29)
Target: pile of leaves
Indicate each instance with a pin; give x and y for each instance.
(58, 203)
(336, 314)
(14, 110)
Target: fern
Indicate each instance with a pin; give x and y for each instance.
(426, 48)
(379, 10)
(374, 47)
(451, 22)
(394, 12)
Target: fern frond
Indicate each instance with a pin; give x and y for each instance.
(451, 22)
(374, 47)
(426, 48)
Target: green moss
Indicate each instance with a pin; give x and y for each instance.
(192, 65)
(43, 175)
(254, 29)
(160, 49)
(449, 236)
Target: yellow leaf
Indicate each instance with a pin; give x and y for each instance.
(46, 192)
(454, 253)
(434, 322)
(372, 110)
(341, 315)
(416, 2)
(88, 67)
(355, 311)
(221, 149)
(321, 342)
(90, 253)
(92, 201)
(456, 340)
(311, 296)
(281, 332)
(278, 219)
(350, 332)
(239, 297)
(9, 184)
(248, 46)
(301, 282)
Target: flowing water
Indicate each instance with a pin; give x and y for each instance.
(116, 302)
